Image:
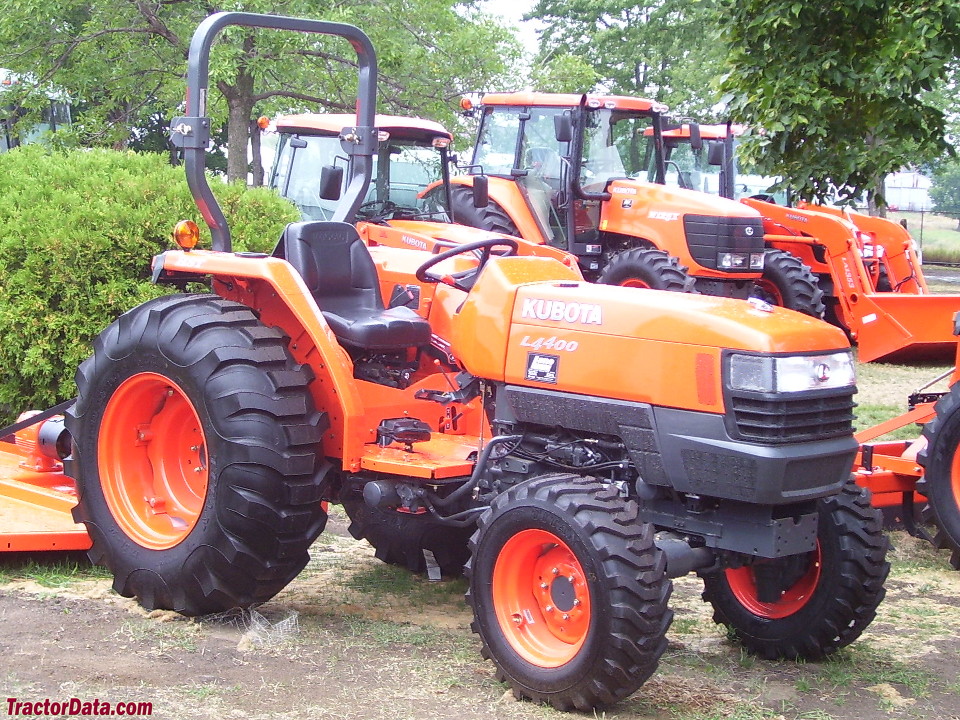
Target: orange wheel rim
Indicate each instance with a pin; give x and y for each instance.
(541, 598)
(769, 291)
(152, 459)
(635, 282)
(743, 584)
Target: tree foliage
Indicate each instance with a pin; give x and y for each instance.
(126, 58)
(945, 190)
(664, 49)
(77, 232)
(839, 93)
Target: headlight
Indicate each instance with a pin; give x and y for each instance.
(792, 373)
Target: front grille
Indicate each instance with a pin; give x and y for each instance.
(786, 418)
(708, 235)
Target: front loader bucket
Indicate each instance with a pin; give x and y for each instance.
(35, 507)
(901, 328)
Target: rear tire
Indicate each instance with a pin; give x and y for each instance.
(492, 218)
(941, 480)
(401, 538)
(646, 268)
(196, 455)
(788, 283)
(569, 592)
(834, 594)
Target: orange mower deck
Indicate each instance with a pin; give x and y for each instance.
(35, 507)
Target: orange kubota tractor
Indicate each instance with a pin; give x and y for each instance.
(868, 267)
(586, 174)
(400, 209)
(578, 445)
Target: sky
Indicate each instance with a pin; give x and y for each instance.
(511, 11)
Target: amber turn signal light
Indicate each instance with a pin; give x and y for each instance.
(186, 234)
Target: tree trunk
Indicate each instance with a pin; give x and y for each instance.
(876, 203)
(256, 158)
(239, 97)
(238, 135)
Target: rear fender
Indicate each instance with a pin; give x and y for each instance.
(276, 292)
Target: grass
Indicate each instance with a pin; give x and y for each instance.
(163, 637)
(381, 581)
(936, 234)
(51, 570)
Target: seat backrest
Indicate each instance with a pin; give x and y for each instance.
(334, 263)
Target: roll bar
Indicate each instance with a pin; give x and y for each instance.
(191, 132)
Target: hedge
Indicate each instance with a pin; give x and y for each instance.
(77, 232)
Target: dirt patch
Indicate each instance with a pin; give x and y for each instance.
(352, 638)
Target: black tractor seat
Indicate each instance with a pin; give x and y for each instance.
(338, 270)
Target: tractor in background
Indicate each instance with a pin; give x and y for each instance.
(868, 267)
(414, 192)
(587, 174)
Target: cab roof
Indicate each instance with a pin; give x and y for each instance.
(332, 123)
(535, 99)
(707, 132)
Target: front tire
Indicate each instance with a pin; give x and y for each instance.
(941, 479)
(646, 268)
(492, 218)
(787, 282)
(832, 593)
(196, 456)
(569, 592)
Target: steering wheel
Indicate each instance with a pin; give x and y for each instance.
(376, 208)
(463, 280)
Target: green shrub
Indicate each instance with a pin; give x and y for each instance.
(77, 233)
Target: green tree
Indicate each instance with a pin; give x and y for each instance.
(665, 49)
(563, 73)
(125, 58)
(77, 232)
(839, 94)
(945, 190)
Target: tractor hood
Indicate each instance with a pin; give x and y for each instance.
(662, 198)
(616, 342)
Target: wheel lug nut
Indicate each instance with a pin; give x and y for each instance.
(549, 608)
(566, 617)
(576, 602)
(543, 586)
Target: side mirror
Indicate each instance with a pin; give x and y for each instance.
(481, 191)
(563, 128)
(331, 180)
(296, 142)
(715, 153)
(696, 142)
